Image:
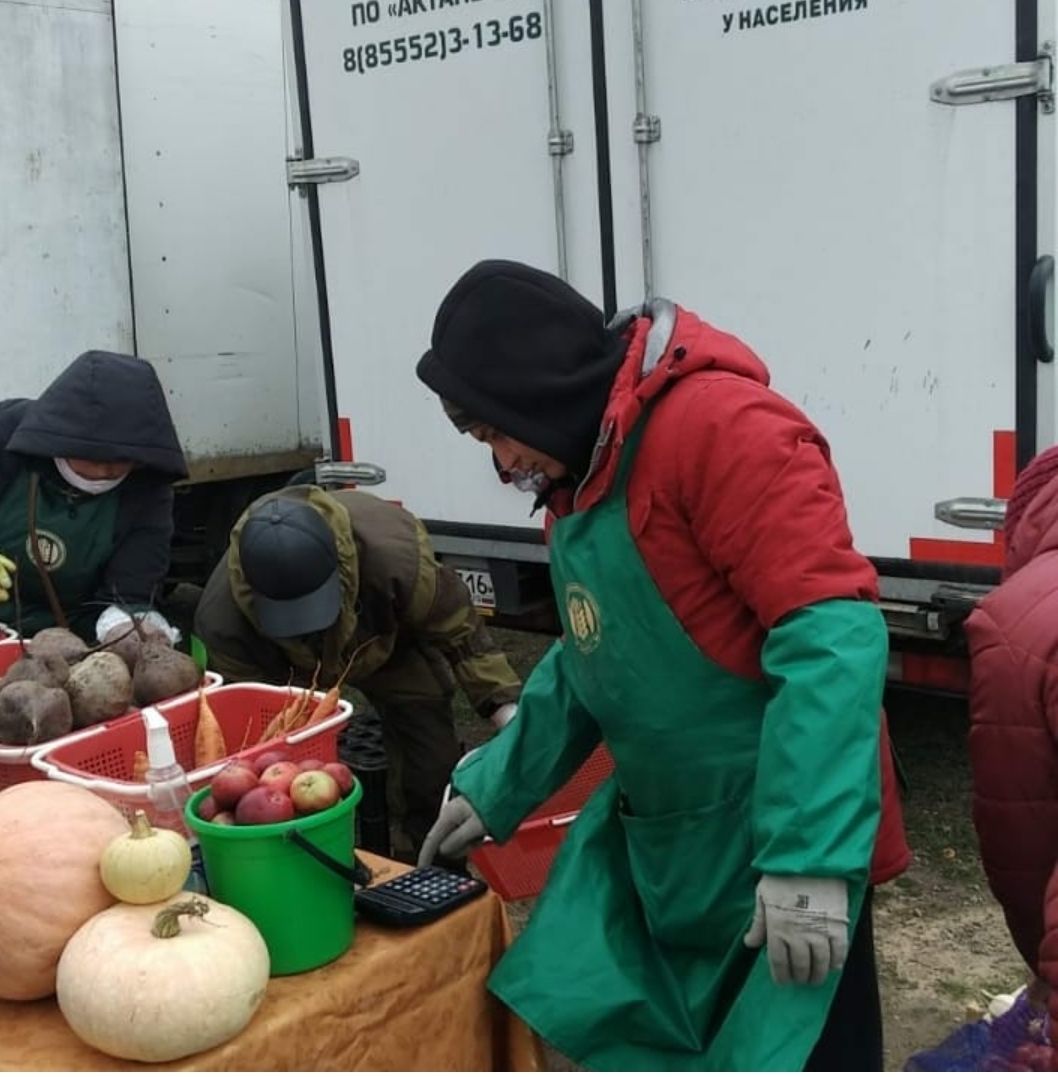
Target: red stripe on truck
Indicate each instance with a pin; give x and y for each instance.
(345, 439)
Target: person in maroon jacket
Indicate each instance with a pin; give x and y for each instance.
(1013, 638)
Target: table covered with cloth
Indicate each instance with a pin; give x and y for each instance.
(399, 999)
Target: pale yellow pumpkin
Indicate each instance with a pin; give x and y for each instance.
(153, 983)
(145, 865)
(51, 838)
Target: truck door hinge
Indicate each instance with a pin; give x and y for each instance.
(559, 142)
(300, 172)
(646, 128)
(1002, 82)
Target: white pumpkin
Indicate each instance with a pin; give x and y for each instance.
(139, 982)
(145, 865)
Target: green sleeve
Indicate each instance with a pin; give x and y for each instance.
(816, 800)
(534, 755)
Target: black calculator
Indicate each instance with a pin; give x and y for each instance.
(416, 897)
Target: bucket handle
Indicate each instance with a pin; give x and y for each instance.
(359, 874)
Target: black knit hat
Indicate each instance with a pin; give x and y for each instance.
(522, 351)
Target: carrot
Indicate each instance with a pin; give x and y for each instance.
(295, 714)
(209, 737)
(140, 763)
(276, 725)
(329, 702)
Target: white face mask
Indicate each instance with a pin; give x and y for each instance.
(529, 482)
(79, 482)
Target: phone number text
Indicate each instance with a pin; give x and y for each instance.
(441, 44)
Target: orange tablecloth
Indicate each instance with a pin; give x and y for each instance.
(400, 999)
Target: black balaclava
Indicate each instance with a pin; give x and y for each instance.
(519, 350)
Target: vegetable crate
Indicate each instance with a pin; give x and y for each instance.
(16, 759)
(101, 758)
(518, 868)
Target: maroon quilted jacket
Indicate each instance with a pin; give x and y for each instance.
(1013, 636)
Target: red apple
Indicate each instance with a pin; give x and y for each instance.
(207, 808)
(266, 759)
(311, 764)
(223, 818)
(314, 790)
(342, 775)
(235, 780)
(264, 805)
(278, 776)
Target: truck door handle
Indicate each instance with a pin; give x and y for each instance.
(1039, 278)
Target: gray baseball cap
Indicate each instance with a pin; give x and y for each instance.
(290, 561)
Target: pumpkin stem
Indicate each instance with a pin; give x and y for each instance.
(141, 826)
(167, 922)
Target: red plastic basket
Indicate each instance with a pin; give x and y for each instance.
(16, 760)
(101, 758)
(518, 868)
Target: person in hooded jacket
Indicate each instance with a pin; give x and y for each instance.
(710, 907)
(1013, 641)
(319, 584)
(86, 498)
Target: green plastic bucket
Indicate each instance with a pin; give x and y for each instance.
(303, 909)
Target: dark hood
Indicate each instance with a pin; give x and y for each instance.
(103, 406)
(522, 351)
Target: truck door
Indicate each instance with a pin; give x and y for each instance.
(851, 187)
(464, 131)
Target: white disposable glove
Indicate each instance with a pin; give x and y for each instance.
(7, 577)
(806, 924)
(503, 714)
(458, 830)
(115, 617)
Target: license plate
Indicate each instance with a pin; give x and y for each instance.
(479, 584)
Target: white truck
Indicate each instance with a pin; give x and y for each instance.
(268, 199)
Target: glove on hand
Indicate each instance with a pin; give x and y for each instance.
(7, 573)
(806, 924)
(114, 617)
(458, 830)
(503, 714)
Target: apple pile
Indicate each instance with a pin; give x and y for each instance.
(273, 789)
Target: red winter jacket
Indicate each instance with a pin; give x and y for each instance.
(1013, 637)
(712, 407)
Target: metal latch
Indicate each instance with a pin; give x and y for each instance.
(300, 172)
(1002, 82)
(976, 513)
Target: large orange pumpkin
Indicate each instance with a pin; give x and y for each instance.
(51, 838)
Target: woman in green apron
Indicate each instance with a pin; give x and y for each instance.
(86, 498)
(721, 637)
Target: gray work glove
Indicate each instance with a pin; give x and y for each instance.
(806, 924)
(502, 715)
(458, 830)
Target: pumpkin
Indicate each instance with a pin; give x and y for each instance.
(136, 983)
(145, 865)
(51, 838)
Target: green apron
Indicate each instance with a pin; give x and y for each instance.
(633, 957)
(76, 541)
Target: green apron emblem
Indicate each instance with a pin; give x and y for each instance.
(52, 550)
(584, 619)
